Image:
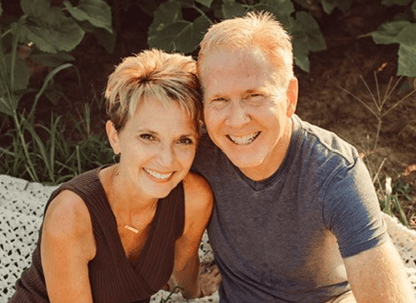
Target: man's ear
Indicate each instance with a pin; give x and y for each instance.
(292, 96)
(113, 137)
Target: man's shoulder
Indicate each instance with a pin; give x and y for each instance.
(326, 142)
(206, 149)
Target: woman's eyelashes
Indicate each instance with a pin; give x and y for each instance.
(147, 137)
(186, 141)
(152, 138)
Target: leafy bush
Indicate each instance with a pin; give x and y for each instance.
(401, 30)
(172, 32)
(47, 32)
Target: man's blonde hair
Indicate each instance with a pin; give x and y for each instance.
(258, 30)
(153, 74)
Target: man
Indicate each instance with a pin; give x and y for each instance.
(296, 216)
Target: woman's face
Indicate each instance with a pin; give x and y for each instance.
(157, 147)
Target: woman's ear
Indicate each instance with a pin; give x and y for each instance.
(113, 137)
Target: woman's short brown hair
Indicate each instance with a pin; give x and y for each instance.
(153, 74)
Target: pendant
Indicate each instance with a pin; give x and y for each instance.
(131, 229)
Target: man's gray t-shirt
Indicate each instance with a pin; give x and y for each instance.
(283, 239)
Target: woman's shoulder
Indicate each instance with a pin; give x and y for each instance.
(198, 193)
(68, 220)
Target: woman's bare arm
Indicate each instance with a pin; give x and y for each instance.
(67, 246)
(198, 209)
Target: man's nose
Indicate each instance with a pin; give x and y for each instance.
(237, 115)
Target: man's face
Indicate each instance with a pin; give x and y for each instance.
(247, 116)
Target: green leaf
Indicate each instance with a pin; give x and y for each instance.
(395, 2)
(97, 12)
(233, 9)
(407, 51)
(51, 60)
(281, 9)
(310, 27)
(206, 3)
(167, 13)
(106, 39)
(21, 72)
(64, 35)
(407, 35)
(35, 8)
(387, 32)
(328, 6)
(414, 8)
(1, 9)
(300, 52)
(5, 107)
(182, 36)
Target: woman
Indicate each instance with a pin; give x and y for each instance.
(116, 233)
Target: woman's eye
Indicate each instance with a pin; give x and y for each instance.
(147, 137)
(186, 141)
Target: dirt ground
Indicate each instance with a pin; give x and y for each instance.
(324, 96)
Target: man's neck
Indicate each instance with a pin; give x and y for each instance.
(273, 161)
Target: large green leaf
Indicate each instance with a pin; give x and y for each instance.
(407, 61)
(387, 32)
(35, 8)
(306, 23)
(51, 60)
(414, 8)
(106, 39)
(182, 36)
(21, 72)
(206, 3)
(21, 75)
(62, 35)
(281, 9)
(232, 9)
(167, 13)
(5, 105)
(97, 12)
(330, 5)
(301, 51)
(395, 2)
(407, 51)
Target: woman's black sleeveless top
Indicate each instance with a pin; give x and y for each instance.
(113, 279)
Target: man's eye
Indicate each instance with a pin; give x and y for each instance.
(147, 137)
(218, 100)
(255, 96)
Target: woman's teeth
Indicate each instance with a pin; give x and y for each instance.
(157, 175)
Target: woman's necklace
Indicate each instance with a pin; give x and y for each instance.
(131, 229)
(126, 226)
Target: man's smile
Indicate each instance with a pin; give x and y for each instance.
(245, 139)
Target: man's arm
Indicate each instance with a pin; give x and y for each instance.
(378, 275)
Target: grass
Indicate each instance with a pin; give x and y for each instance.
(391, 197)
(54, 153)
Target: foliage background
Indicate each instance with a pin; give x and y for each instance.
(52, 113)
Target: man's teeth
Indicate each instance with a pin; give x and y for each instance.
(158, 175)
(244, 140)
